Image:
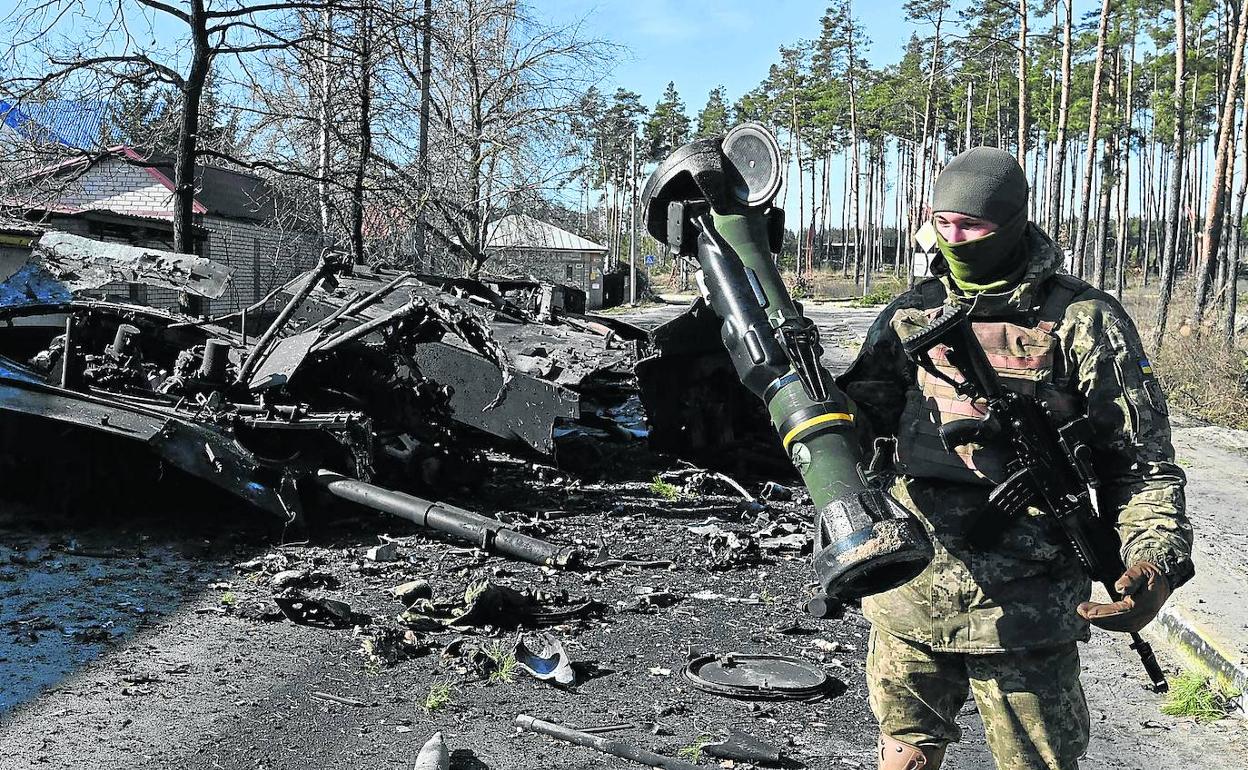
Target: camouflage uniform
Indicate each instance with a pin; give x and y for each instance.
(1002, 620)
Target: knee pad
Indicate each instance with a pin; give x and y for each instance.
(895, 755)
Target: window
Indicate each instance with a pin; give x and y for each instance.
(571, 272)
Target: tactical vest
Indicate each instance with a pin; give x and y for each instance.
(1024, 350)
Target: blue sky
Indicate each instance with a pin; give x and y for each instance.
(699, 45)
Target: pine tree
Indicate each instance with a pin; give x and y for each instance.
(714, 118)
(668, 127)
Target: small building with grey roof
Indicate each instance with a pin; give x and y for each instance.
(520, 243)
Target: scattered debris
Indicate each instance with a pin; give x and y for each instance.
(543, 657)
(826, 645)
(322, 612)
(650, 600)
(604, 560)
(489, 604)
(766, 677)
(413, 591)
(339, 699)
(605, 745)
(433, 755)
(696, 481)
(774, 491)
(469, 656)
(383, 553)
(729, 550)
(289, 577)
(387, 646)
(741, 746)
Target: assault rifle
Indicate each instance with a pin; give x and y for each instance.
(1049, 465)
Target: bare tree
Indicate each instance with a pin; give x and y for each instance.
(1022, 83)
(1169, 253)
(1063, 120)
(1081, 234)
(1212, 236)
(232, 29)
(501, 101)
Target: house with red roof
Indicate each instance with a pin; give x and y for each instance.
(127, 197)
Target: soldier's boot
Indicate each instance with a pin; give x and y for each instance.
(895, 755)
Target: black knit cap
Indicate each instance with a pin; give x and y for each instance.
(983, 182)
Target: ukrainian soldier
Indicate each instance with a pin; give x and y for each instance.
(1001, 619)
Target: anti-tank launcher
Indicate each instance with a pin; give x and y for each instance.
(713, 200)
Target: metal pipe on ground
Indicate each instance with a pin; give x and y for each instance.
(461, 524)
(605, 745)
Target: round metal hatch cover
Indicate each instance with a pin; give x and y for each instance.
(754, 155)
(757, 676)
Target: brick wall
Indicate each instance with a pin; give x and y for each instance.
(119, 186)
(262, 257)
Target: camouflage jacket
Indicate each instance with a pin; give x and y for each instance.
(1022, 592)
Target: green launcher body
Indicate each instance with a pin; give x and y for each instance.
(712, 200)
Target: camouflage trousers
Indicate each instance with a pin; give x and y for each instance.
(1031, 702)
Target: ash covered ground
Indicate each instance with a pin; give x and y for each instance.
(150, 637)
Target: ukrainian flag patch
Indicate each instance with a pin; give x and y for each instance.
(1145, 366)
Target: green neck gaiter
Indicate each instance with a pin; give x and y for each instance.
(992, 263)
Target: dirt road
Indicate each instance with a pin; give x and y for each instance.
(152, 640)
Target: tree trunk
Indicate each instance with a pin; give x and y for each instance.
(1124, 175)
(1237, 233)
(855, 144)
(364, 41)
(188, 145)
(928, 109)
(1212, 235)
(801, 202)
(970, 112)
(1102, 214)
(1169, 253)
(1081, 235)
(1022, 83)
(426, 70)
(845, 215)
(323, 126)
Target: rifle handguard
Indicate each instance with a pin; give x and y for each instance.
(970, 431)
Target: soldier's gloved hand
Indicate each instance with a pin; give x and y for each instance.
(1144, 590)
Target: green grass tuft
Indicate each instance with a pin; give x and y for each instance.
(693, 752)
(664, 489)
(1197, 696)
(439, 697)
(504, 663)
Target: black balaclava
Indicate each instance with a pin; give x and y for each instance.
(986, 183)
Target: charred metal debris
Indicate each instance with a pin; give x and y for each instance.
(366, 384)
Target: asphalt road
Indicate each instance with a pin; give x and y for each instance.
(140, 642)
